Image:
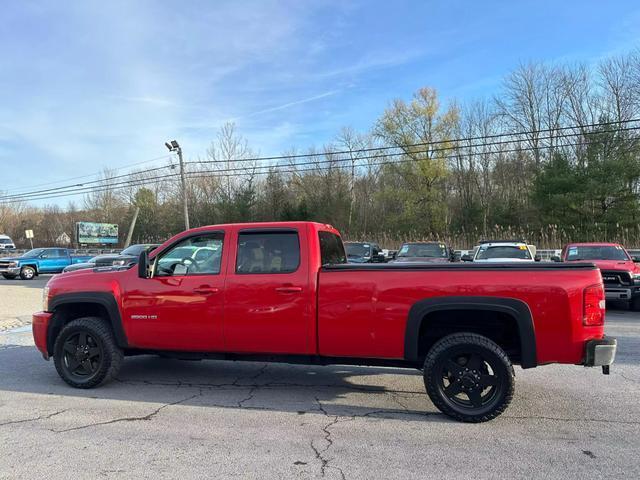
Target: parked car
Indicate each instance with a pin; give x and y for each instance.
(620, 274)
(6, 243)
(37, 261)
(282, 291)
(503, 251)
(364, 252)
(128, 256)
(424, 252)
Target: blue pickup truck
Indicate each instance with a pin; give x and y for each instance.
(37, 261)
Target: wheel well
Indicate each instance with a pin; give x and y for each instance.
(65, 313)
(500, 327)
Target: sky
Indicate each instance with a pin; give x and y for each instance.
(91, 84)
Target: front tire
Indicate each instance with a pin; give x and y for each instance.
(9, 276)
(469, 377)
(634, 305)
(85, 353)
(27, 273)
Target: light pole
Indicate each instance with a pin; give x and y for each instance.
(174, 147)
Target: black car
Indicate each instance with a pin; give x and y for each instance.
(364, 252)
(128, 256)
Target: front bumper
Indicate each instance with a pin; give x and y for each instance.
(10, 270)
(39, 326)
(600, 353)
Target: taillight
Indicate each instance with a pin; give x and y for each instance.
(593, 305)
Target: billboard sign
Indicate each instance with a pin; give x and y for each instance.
(96, 233)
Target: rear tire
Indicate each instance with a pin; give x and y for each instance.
(85, 353)
(8, 276)
(469, 377)
(27, 273)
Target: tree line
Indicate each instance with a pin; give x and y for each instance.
(553, 157)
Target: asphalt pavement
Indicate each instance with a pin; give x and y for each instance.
(180, 419)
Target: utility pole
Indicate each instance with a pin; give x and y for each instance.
(132, 227)
(174, 147)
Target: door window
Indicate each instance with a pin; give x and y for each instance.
(199, 255)
(268, 252)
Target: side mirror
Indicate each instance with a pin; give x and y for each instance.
(537, 258)
(143, 265)
(466, 258)
(555, 258)
(635, 259)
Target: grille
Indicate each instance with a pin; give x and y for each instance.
(616, 278)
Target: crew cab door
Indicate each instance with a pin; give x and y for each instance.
(181, 306)
(268, 297)
(53, 260)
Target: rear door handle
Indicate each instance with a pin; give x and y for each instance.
(204, 290)
(289, 289)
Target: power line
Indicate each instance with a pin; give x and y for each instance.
(278, 168)
(88, 175)
(85, 188)
(437, 142)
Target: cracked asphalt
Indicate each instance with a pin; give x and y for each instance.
(166, 418)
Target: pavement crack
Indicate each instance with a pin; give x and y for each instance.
(250, 395)
(320, 453)
(35, 419)
(149, 416)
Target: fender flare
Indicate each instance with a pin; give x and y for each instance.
(106, 300)
(517, 309)
(29, 264)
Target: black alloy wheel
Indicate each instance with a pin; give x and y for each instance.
(86, 354)
(82, 355)
(469, 377)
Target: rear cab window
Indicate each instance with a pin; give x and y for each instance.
(331, 249)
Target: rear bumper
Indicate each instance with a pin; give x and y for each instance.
(600, 352)
(39, 326)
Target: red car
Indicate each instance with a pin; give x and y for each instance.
(283, 291)
(620, 274)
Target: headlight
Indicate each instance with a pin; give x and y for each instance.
(119, 262)
(45, 299)
(636, 277)
(13, 264)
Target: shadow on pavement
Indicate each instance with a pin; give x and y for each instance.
(329, 390)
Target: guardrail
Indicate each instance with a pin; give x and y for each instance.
(74, 251)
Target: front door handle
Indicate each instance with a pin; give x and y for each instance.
(205, 290)
(289, 289)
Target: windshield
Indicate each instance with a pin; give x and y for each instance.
(429, 250)
(358, 249)
(36, 252)
(520, 252)
(597, 252)
(5, 240)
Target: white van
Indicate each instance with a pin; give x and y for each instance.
(6, 243)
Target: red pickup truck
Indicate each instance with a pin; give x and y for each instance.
(283, 291)
(620, 274)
